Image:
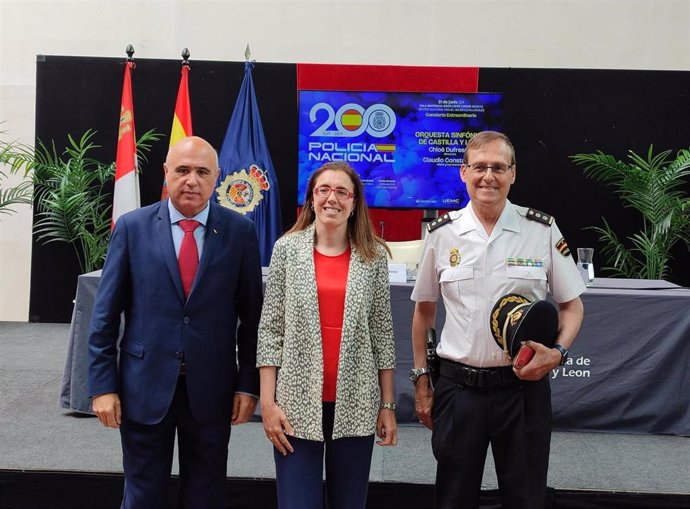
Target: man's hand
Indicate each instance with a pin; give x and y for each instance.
(545, 359)
(243, 406)
(107, 409)
(424, 400)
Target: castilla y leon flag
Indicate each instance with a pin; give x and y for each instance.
(126, 192)
(247, 182)
(182, 119)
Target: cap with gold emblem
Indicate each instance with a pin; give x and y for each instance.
(515, 319)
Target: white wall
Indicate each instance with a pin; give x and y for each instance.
(602, 34)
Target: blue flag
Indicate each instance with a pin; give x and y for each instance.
(247, 182)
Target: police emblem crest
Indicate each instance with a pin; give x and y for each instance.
(242, 191)
(454, 258)
(379, 120)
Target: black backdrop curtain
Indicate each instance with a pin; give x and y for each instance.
(550, 114)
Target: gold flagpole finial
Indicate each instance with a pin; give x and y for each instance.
(247, 53)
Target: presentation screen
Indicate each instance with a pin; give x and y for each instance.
(406, 147)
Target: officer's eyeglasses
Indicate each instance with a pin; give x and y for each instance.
(325, 192)
(497, 169)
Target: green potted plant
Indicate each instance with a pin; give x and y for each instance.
(71, 193)
(653, 186)
(20, 193)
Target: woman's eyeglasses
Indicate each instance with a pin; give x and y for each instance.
(325, 192)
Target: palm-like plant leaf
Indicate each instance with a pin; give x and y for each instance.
(72, 203)
(621, 262)
(144, 145)
(18, 157)
(18, 195)
(654, 187)
(14, 157)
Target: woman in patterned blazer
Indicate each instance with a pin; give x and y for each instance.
(326, 353)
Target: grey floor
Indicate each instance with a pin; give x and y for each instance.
(36, 434)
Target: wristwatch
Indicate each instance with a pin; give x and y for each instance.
(415, 373)
(564, 353)
(387, 405)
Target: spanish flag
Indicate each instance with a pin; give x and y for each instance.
(182, 119)
(126, 191)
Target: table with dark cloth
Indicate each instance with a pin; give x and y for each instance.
(74, 392)
(627, 373)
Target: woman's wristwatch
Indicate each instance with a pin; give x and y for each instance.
(387, 405)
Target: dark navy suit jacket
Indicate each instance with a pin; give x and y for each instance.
(141, 278)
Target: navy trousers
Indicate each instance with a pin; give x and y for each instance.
(148, 453)
(515, 420)
(347, 460)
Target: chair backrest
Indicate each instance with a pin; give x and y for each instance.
(408, 252)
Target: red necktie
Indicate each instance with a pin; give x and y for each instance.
(188, 259)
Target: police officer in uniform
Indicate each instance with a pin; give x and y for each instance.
(471, 258)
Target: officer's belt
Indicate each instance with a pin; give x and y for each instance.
(469, 376)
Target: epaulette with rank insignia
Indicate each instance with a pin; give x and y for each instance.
(540, 217)
(438, 222)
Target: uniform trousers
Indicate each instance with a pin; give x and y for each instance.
(148, 453)
(299, 474)
(515, 420)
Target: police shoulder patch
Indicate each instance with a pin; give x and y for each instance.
(562, 247)
(540, 217)
(438, 222)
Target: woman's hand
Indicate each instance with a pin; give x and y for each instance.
(277, 427)
(387, 427)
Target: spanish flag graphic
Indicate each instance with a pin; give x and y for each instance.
(351, 120)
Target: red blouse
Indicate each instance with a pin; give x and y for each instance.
(331, 282)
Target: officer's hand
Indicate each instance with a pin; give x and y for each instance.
(545, 359)
(108, 410)
(424, 400)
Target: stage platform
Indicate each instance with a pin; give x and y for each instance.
(53, 451)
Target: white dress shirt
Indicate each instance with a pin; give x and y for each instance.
(520, 257)
(178, 234)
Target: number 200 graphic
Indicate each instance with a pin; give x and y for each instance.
(351, 120)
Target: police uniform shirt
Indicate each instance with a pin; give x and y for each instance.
(472, 270)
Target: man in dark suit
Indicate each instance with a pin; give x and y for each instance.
(184, 366)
